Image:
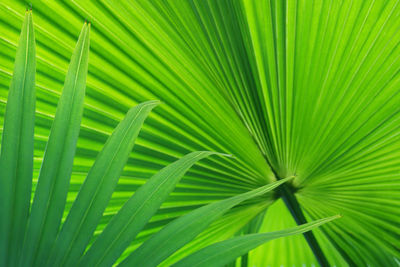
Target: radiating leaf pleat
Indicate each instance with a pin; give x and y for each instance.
(55, 172)
(223, 252)
(16, 158)
(184, 229)
(313, 86)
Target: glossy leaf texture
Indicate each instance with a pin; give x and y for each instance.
(307, 88)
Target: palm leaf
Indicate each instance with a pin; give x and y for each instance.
(16, 164)
(136, 212)
(51, 190)
(182, 230)
(305, 88)
(223, 252)
(98, 187)
(67, 246)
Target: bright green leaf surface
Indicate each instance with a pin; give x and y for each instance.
(307, 88)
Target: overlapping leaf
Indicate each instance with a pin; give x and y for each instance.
(310, 86)
(51, 190)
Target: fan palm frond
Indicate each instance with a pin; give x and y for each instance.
(36, 239)
(308, 89)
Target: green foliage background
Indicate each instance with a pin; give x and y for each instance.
(305, 88)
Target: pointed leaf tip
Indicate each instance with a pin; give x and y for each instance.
(219, 154)
(225, 251)
(138, 210)
(151, 103)
(97, 188)
(154, 102)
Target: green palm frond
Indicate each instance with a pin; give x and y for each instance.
(223, 252)
(16, 156)
(290, 88)
(55, 171)
(182, 230)
(38, 241)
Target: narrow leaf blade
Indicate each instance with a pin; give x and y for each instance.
(182, 230)
(226, 251)
(55, 172)
(137, 211)
(98, 187)
(16, 160)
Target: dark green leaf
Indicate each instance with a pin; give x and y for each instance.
(137, 211)
(98, 187)
(16, 160)
(55, 172)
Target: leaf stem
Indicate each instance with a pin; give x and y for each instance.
(294, 207)
(290, 200)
